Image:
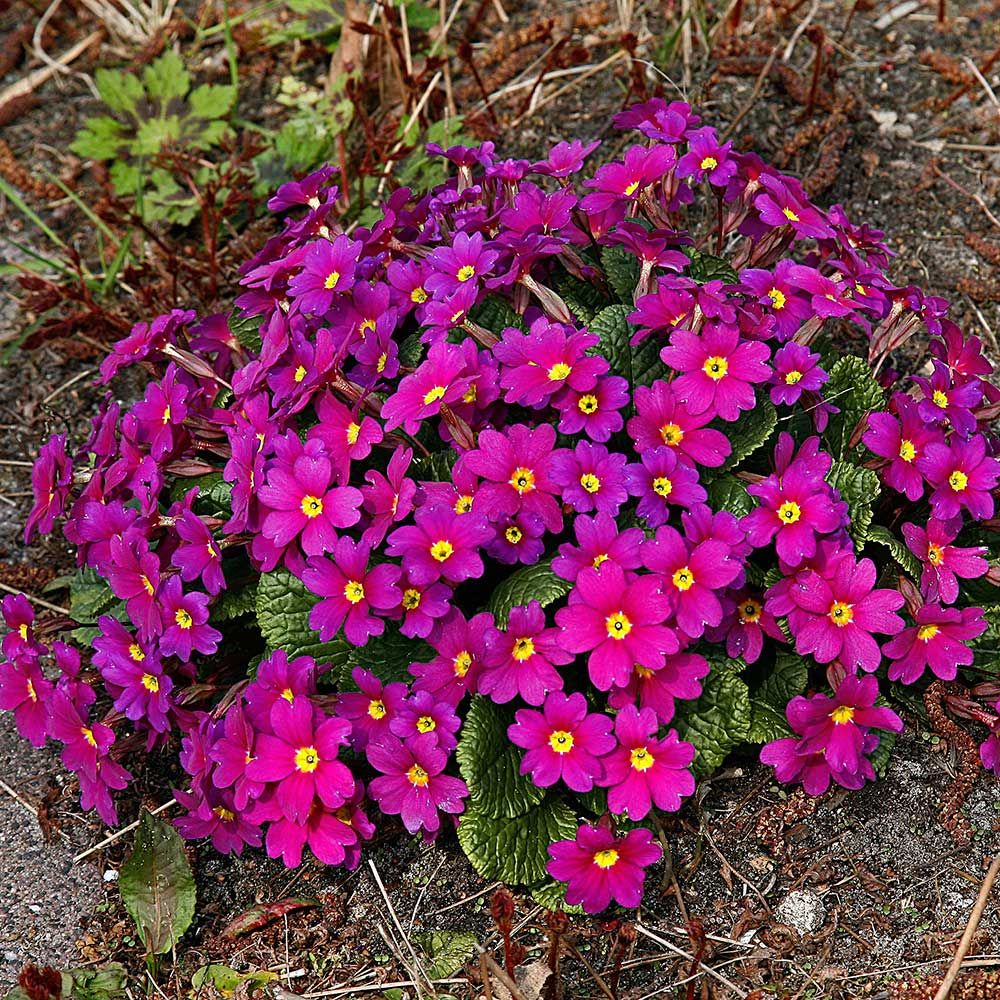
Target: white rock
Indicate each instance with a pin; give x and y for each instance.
(803, 910)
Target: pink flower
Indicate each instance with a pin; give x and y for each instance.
(943, 562)
(441, 545)
(327, 271)
(664, 421)
(599, 867)
(564, 741)
(937, 640)
(962, 475)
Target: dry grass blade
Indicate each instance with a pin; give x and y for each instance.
(680, 953)
(137, 22)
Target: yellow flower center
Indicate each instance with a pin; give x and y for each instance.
(306, 759)
(22, 631)
(777, 298)
(523, 480)
(600, 559)
(88, 735)
(716, 368)
(632, 188)
(927, 632)
(561, 741)
(368, 324)
(790, 215)
(559, 371)
(442, 550)
(907, 450)
(32, 693)
(750, 612)
(793, 377)
(147, 585)
(354, 591)
(418, 295)
(469, 396)
(643, 673)
(289, 695)
(789, 512)
(683, 579)
(376, 709)
(671, 434)
(466, 272)
(709, 163)
(151, 683)
(587, 404)
(166, 419)
(426, 724)
(606, 858)
(300, 373)
(513, 534)
(958, 480)
(226, 815)
(935, 554)
(463, 504)
(641, 759)
(618, 625)
(312, 506)
(183, 618)
(380, 364)
(136, 653)
(840, 614)
(331, 280)
(462, 663)
(842, 714)
(523, 648)
(352, 432)
(663, 486)
(590, 482)
(411, 599)
(418, 777)
(940, 399)
(433, 395)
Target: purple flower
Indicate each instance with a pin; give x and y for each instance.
(198, 556)
(517, 539)
(333, 837)
(351, 590)
(302, 502)
(134, 675)
(837, 610)
(597, 412)
(442, 544)
(372, 708)
(796, 370)
(327, 271)
(663, 420)
(232, 753)
(718, 370)
(347, 435)
(51, 477)
(591, 478)
(625, 180)
(678, 679)
(522, 659)
(943, 562)
(133, 573)
(707, 159)
(25, 692)
(599, 867)
(185, 618)
(599, 541)
(961, 475)
(565, 158)
(949, 402)
(618, 621)
(412, 784)
(438, 381)
(19, 617)
(643, 770)
(212, 813)
(161, 412)
(300, 758)
(937, 640)
(466, 260)
(744, 625)
(423, 713)
(388, 498)
(661, 480)
(779, 296)
(279, 678)
(564, 741)
(422, 606)
(461, 650)
(783, 203)
(902, 439)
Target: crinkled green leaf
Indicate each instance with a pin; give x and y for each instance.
(90, 597)
(99, 139)
(622, 271)
(121, 92)
(495, 313)
(552, 896)
(640, 363)
(167, 77)
(787, 678)
(389, 655)
(853, 390)
(717, 722)
(283, 606)
(157, 885)
(246, 329)
(748, 434)
(530, 583)
(235, 603)
(730, 493)
(515, 850)
(584, 299)
(446, 952)
(435, 467)
(897, 548)
(411, 351)
(859, 488)
(211, 101)
(705, 267)
(490, 763)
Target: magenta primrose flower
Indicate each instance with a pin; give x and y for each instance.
(185, 618)
(796, 370)
(902, 440)
(327, 271)
(372, 708)
(962, 476)
(942, 562)
(441, 545)
(25, 691)
(599, 867)
(590, 478)
(564, 741)
(677, 680)
(599, 540)
(51, 476)
(661, 480)
(437, 382)
(461, 649)
(937, 640)
(663, 420)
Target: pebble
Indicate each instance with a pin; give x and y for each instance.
(802, 910)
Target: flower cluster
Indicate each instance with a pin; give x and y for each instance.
(548, 398)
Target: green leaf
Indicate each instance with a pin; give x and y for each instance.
(515, 850)
(907, 561)
(853, 390)
(90, 597)
(751, 432)
(638, 363)
(389, 655)
(104, 983)
(283, 606)
(530, 583)
(718, 721)
(246, 329)
(705, 267)
(166, 77)
(584, 299)
(435, 467)
(787, 679)
(208, 101)
(730, 493)
(411, 351)
(157, 885)
(121, 92)
(99, 139)
(552, 896)
(622, 271)
(880, 758)
(224, 980)
(235, 603)
(490, 763)
(859, 488)
(496, 314)
(214, 498)
(446, 952)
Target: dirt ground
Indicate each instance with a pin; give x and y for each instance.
(868, 888)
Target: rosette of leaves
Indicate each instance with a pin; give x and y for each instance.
(148, 115)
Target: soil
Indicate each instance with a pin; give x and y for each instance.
(866, 889)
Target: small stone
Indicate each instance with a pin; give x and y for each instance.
(110, 875)
(802, 910)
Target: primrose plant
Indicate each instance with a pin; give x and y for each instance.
(520, 510)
